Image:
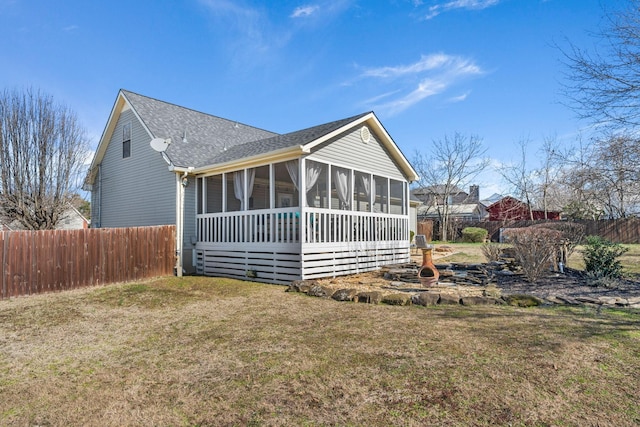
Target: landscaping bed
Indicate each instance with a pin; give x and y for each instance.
(471, 284)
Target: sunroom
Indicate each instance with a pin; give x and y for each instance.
(301, 218)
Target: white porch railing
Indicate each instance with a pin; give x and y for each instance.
(309, 225)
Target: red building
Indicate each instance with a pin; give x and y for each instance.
(509, 208)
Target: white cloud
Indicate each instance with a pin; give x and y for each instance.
(304, 11)
(380, 97)
(460, 98)
(253, 36)
(425, 63)
(250, 36)
(437, 9)
(70, 28)
(431, 75)
(426, 88)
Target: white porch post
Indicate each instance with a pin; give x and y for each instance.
(245, 184)
(407, 209)
(272, 201)
(302, 195)
(245, 206)
(205, 195)
(224, 192)
(272, 187)
(372, 189)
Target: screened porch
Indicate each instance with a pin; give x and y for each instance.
(299, 219)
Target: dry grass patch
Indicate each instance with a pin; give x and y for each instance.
(201, 351)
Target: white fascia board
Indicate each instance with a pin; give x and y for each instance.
(283, 154)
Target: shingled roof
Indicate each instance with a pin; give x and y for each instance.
(297, 138)
(203, 141)
(207, 136)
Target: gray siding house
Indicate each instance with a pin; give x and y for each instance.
(329, 200)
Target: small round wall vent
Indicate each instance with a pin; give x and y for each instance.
(365, 134)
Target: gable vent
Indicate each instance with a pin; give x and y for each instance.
(365, 134)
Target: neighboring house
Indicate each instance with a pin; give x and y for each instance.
(437, 195)
(510, 208)
(491, 199)
(71, 219)
(461, 205)
(324, 201)
(464, 212)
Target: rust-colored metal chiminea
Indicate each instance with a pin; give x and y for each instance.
(428, 274)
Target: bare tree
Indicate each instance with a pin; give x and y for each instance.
(616, 174)
(576, 176)
(603, 177)
(42, 149)
(521, 177)
(453, 163)
(547, 176)
(603, 85)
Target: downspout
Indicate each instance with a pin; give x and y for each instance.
(181, 183)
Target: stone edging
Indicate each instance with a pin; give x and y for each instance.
(451, 297)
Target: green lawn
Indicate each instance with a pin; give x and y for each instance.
(205, 351)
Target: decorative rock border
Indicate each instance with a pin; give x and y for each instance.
(460, 284)
(433, 296)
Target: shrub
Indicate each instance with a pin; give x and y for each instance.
(492, 251)
(535, 250)
(601, 258)
(572, 233)
(474, 234)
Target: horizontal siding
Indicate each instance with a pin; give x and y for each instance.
(349, 150)
(138, 190)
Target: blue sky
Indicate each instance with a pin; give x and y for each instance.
(428, 68)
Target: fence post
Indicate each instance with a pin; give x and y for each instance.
(4, 263)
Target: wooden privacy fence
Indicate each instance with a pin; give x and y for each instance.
(34, 262)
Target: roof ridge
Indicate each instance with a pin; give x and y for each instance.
(346, 120)
(330, 126)
(299, 137)
(125, 91)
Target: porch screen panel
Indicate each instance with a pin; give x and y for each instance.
(199, 182)
(362, 193)
(286, 191)
(317, 195)
(341, 196)
(214, 193)
(233, 204)
(382, 190)
(260, 196)
(397, 193)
